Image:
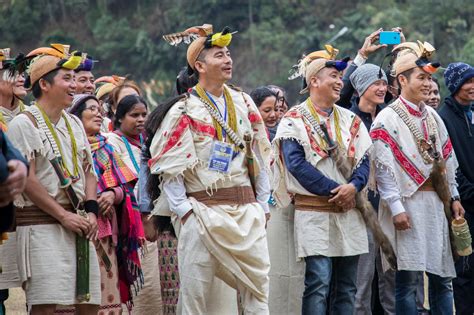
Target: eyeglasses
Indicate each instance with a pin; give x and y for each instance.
(95, 109)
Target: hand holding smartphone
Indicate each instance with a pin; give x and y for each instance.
(389, 38)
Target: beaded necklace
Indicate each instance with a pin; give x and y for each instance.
(230, 113)
(57, 145)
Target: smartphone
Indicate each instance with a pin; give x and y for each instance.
(389, 38)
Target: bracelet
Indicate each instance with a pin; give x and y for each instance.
(455, 198)
(92, 206)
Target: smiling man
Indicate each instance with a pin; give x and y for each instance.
(330, 233)
(218, 193)
(84, 77)
(408, 136)
(46, 221)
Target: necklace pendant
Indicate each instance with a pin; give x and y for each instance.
(424, 145)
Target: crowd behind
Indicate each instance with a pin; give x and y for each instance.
(105, 131)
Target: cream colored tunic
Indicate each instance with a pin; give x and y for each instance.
(46, 253)
(8, 115)
(322, 233)
(235, 235)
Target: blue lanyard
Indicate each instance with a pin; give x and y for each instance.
(130, 152)
(224, 134)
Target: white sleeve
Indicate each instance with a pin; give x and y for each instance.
(262, 186)
(176, 195)
(359, 60)
(389, 191)
(263, 190)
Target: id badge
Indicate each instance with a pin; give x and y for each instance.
(221, 157)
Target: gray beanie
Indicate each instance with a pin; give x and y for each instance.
(364, 76)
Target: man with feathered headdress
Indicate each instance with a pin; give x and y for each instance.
(416, 178)
(330, 233)
(85, 82)
(213, 182)
(56, 215)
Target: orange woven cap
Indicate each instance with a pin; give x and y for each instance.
(42, 66)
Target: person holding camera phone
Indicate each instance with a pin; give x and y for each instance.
(370, 46)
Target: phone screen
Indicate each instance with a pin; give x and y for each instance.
(389, 38)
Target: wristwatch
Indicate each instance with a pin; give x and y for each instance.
(455, 198)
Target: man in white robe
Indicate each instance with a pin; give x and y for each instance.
(406, 136)
(207, 180)
(330, 233)
(46, 222)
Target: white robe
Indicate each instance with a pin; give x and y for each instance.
(322, 233)
(400, 172)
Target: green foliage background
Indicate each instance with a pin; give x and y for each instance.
(125, 35)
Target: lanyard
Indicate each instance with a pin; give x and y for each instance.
(224, 134)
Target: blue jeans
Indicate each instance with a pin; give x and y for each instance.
(440, 293)
(324, 273)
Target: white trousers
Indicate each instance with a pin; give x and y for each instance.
(199, 278)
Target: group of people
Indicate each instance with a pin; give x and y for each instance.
(223, 202)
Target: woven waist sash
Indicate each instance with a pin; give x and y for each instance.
(427, 185)
(316, 203)
(226, 196)
(35, 216)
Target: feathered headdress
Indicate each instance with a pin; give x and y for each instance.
(410, 55)
(43, 60)
(199, 37)
(87, 64)
(188, 35)
(12, 66)
(311, 64)
(4, 55)
(299, 70)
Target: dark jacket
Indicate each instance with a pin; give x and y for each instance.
(461, 132)
(7, 153)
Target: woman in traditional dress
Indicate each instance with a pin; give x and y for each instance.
(127, 140)
(120, 228)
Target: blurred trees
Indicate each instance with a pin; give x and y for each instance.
(126, 35)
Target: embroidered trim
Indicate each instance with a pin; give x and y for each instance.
(447, 149)
(402, 159)
(354, 130)
(423, 144)
(411, 110)
(313, 143)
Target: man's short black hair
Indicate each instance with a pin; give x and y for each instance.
(48, 77)
(406, 74)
